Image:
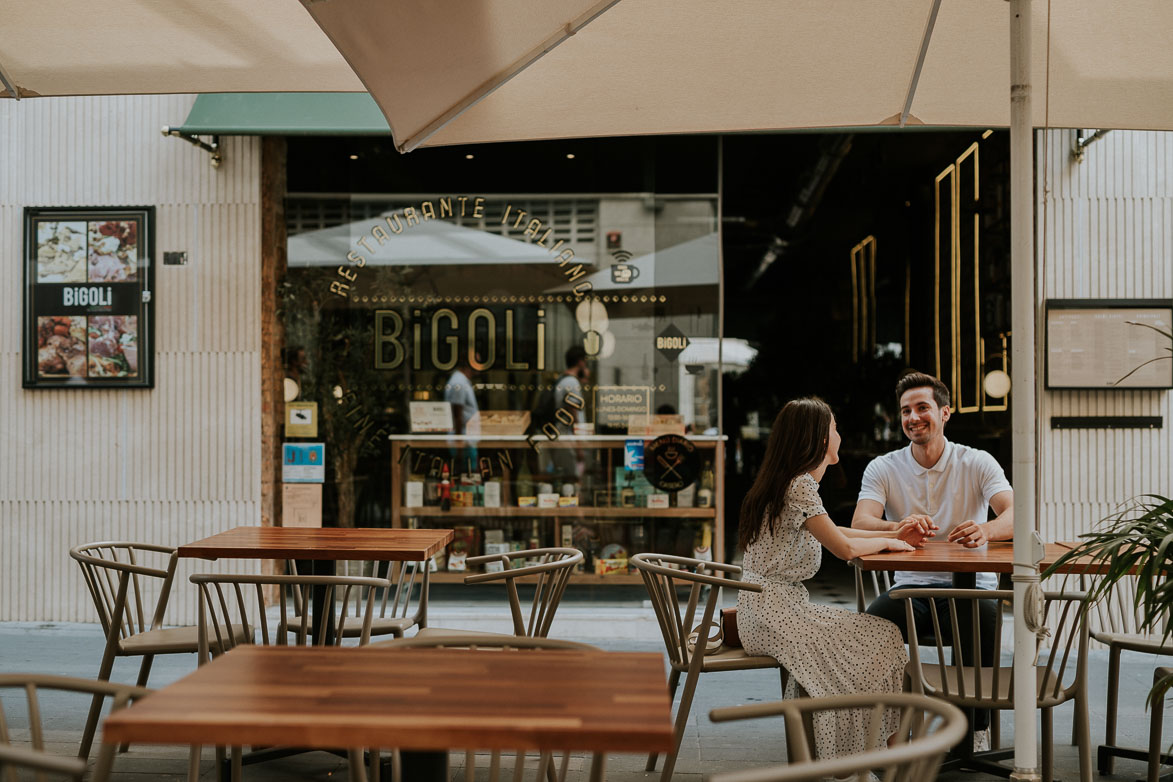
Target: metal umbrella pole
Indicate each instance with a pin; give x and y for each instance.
(1027, 551)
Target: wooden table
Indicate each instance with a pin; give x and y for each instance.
(964, 563)
(412, 699)
(321, 544)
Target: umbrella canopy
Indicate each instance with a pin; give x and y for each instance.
(104, 47)
(672, 66)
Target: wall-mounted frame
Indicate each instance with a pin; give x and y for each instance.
(1097, 343)
(89, 281)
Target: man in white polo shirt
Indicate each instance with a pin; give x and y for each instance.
(941, 486)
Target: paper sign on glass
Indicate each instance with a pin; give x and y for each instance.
(431, 416)
(303, 463)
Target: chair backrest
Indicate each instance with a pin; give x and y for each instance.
(1066, 644)
(32, 755)
(120, 576)
(551, 570)
(662, 574)
(1117, 612)
(481, 641)
(929, 727)
(232, 609)
(406, 599)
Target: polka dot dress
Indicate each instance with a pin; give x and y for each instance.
(828, 650)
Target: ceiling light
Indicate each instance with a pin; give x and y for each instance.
(570, 156)
(468, 157)
(354, 157)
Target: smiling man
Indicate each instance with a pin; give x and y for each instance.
(942, 487)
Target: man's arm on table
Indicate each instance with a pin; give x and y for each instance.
(1001, 527)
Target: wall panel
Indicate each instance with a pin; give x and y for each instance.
(1105, 231)
(166, 465)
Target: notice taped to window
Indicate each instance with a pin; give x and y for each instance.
(614, 405)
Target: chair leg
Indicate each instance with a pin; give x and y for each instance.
(1083, 741)
(673, 683)
(193, 763)
(1107, 760)
(1048, 745)
(87, 738)
(1157, 709)
(681, 721)
(144, 672)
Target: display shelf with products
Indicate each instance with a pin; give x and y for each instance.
(502, 494)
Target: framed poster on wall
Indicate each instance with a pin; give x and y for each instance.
(1109, 343)
(89, 280)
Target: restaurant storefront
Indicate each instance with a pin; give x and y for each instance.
(258, 280)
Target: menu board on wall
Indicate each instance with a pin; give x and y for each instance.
(88, 297)
(1109, 343)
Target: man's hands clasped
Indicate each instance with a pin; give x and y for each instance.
(969, 534)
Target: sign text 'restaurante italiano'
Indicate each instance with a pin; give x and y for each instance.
(534, 231)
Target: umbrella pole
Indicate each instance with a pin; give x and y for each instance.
(1023, 311)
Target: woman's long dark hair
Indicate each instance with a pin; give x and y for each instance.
(798, 443)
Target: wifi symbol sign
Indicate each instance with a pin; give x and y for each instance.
(622, 272)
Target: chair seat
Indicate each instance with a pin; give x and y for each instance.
(174, 640)
(1004, 696)
(1134, 642)
(732, 660)
(381, 626)
(447, 631)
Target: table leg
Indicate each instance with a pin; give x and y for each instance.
(424, 765)
(319, 567)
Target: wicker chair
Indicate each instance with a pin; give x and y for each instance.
(552, 573)
(227, 602)
(1110, 629)
(123, 579)
(34, 758)
(397, 609)
(662, 574)
(929, 728)
(1062, 678)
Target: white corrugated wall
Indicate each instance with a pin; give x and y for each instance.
(166, 465)
(1105, 231)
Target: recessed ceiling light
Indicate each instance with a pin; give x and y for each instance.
(354, 157)
(570, 156)
(469, 157)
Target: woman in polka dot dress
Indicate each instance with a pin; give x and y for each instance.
(827, 650)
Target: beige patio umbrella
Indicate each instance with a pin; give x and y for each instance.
(512, 69)
(104, 47)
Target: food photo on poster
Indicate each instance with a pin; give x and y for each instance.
(88, 303)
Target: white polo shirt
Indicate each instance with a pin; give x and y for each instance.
(956, 489)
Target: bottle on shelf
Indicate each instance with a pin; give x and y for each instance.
(445, 489)
(707, 482)
(702, 548)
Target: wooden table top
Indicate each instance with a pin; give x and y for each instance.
(320, 543)
(994, 557)
(416, 699)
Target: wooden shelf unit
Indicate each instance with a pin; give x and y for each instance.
(609, 454)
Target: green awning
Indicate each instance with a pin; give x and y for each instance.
(285, 114)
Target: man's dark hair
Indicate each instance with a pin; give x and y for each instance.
(914, 379)
(574, 354)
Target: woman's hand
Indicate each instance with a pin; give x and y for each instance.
(896, 544)
(913, 534)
